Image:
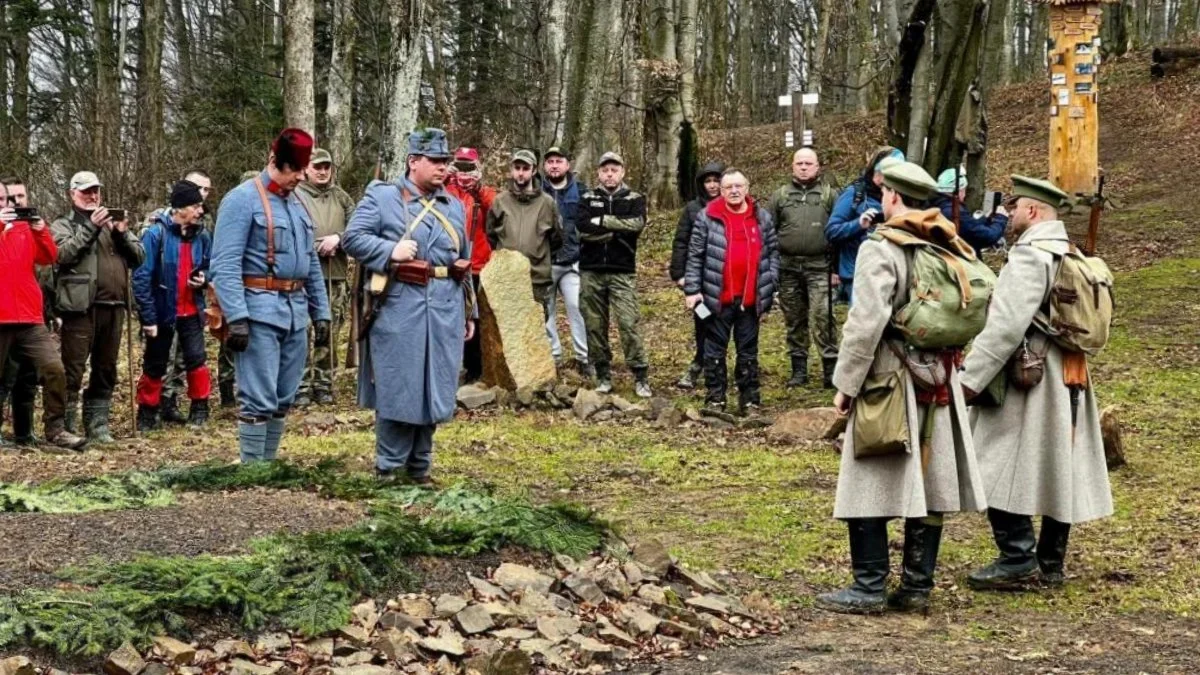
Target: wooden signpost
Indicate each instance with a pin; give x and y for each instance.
(1073, 49)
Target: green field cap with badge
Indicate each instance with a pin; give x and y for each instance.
(910, 180)
(1039, 190)
(321, 156)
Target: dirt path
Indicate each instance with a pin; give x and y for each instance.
(1020, 643)
(36, 544)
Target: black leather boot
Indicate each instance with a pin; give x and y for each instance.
(827, 366)
(1052, 550)
(228, 397)
(22, 424)
(868, 564)
(169, 411)
(921, 542)
(1016, 565)
(198, 413)
(799, 376)
(147, 418)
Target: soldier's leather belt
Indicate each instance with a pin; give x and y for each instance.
(273, 284)
(420, 272)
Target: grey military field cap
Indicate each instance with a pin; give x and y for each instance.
(910, 180)
(610, 157)
(1040, 190)
(525, 156)
(429, 142)
(321, 156)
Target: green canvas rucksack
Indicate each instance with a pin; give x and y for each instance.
(1078, 313)
(948, 293)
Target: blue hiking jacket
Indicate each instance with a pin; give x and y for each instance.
(980, 233)
(155, 282)
(567, 200)
(842, 230)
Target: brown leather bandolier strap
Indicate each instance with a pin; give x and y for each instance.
(262, 195)
(273, 284)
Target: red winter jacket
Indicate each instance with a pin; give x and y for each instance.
(20, 249)
(744, 247)
(476, 203)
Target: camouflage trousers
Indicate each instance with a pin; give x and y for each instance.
(803, 292)
(318, 371)
(600, 293)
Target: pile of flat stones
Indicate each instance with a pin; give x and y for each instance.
(594, 616)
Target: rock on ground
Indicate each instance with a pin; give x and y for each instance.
(806, 425)
(516, 351)
(1110, 431)
(124, 661)
(473, 397)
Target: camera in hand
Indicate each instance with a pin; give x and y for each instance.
(26, 213)
(116, 214)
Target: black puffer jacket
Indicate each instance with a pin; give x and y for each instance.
(706, 260)
(683, 230)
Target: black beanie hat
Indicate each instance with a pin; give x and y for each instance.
(184, 194)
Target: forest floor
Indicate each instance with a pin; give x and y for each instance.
(760, 514)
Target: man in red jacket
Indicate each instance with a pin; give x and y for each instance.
(466, 185)
(25, 242)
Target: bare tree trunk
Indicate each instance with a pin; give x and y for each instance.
(554, 64)
(902, 99)
(1006, 53)
(962, 22)
(19, 122)
(150, 143)
(862, 65)
(407, 22)
(820, 51)
(663, 113)
(108, 86)
(918, 127)
(1039, 26)
(183, 45)
(599, 21)
(339, 101)
(687, 58)
(436, 27)
(299, 108)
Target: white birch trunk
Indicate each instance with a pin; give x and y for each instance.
(299, 109)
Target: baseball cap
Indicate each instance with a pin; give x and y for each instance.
(556, 151)
(610, 157)
(321, 156)
(84, 180)
(465, 154)
(525, 156)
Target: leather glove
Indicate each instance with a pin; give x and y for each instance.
(239, 335)
(321, 333)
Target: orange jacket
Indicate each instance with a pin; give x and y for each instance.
(476, 203)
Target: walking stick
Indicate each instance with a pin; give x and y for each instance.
(129, 352)
(332, 335)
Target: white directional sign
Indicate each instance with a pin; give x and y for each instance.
(789, 140)
(785, 100)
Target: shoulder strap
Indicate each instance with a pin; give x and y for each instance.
(860, 193)
(266, 204)
(429, 207)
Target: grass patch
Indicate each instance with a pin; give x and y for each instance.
(305, 583)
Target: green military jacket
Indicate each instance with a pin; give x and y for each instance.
(330, 208)
(93, 264)
(800, 214)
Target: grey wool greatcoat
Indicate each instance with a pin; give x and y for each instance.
(897, 486)
(414, 350)
(1027, 459)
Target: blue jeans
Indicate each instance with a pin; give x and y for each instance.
(270, 370)
(566, 279)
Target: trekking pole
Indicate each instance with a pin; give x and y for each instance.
(129, 352)
(332, 335)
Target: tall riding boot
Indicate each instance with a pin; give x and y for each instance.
(869, 565)
(799, 376)
(95, 415)
(1016, 565)
(1052, 550)
(169, 412)
(198, 413)
(228, 396)
(922, 538)
(71, 418)
(147, 418)
(827, 366)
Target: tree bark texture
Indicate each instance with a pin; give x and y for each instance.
(407, 23)
(150, 143)
(339, 99)
(299, 105)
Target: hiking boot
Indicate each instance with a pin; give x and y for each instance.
(713, 407)
(198, 413)
(1016, 565)
(584, 369)
(169, 411)
(302, 401)
(688, 379)
(869, 566)
(749, 409)
(827, 367)
(1052, 551)
(799, 376)
(642, 389)
(921, 543)
(323, 397)
(95, 419)
(228, 396)
(603, 385)
(25, 441)
(424, 481)
(71, 415)
(66, 440)
(147, 418)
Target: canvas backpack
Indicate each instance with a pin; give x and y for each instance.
(1077, 314)
(948, 294)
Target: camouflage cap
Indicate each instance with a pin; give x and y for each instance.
(429, 142)
(556, 151)
(525, 156)
(910, 180)
(1039, 190)
(610, 158)
(321, 156)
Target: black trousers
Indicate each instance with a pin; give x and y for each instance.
(741, 323)
(20, 382)
(191, 341)
(473, 348)
(700, 327)
(92, 338)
